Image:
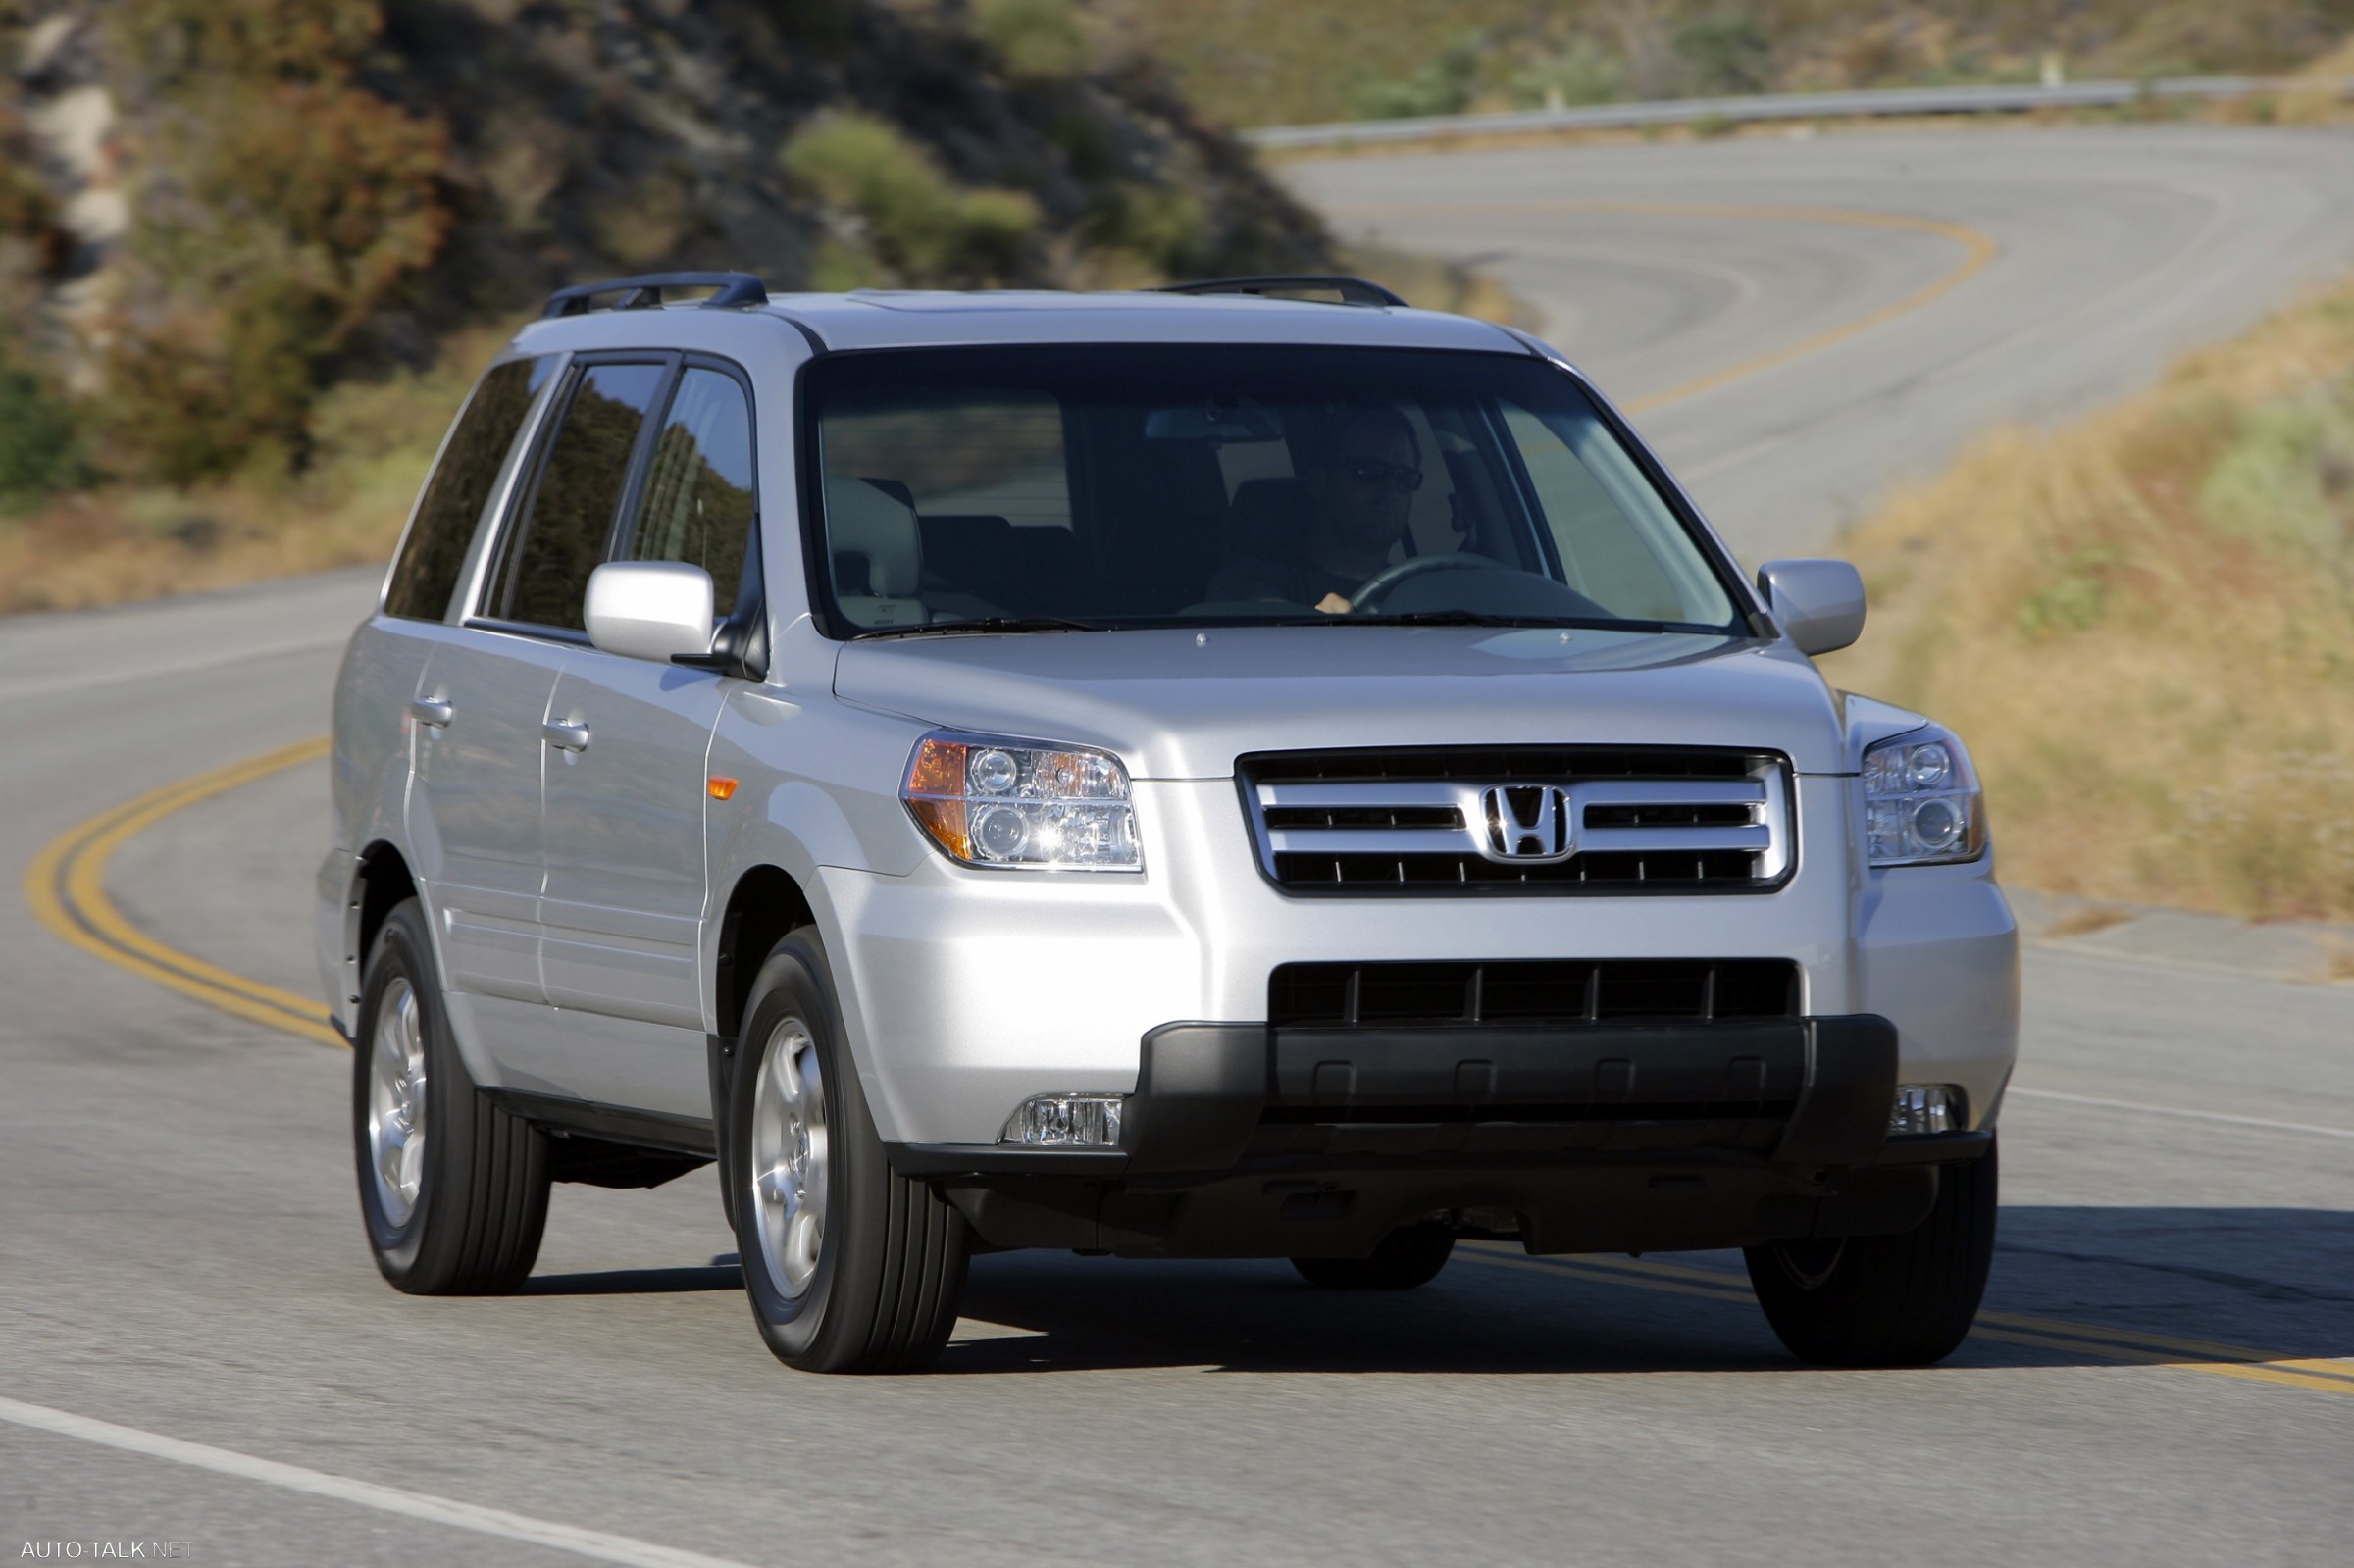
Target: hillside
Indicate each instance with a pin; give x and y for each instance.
(2147, 640)
(1291, 62)
(217, 208)
(251, 251)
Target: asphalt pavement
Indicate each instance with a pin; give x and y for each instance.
(194, 1347)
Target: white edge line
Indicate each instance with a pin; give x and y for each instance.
(55, 685)
(2195, 1116)
(593, 1544)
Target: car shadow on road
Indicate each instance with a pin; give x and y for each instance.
(638, 1282)
(2143, 1284)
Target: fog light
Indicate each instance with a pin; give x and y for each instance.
(1926, 1109)
(1066, 1121)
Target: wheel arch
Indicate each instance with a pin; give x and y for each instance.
(381, 879)
(766, 902)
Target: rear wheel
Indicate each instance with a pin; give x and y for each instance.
(1408, 1256)
(453, 1190)
(1886, 1300)
(850, 1267)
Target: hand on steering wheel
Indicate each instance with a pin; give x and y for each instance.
(1378, 585)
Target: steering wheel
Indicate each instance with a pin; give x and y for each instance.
(1380, 585)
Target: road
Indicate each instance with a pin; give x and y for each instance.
(181, 1260)
(1658, 267)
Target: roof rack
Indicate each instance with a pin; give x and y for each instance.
(641, 293)
(1352, 290)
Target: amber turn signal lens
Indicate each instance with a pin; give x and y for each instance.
(945, 821)
(936, 769)
(722, 788)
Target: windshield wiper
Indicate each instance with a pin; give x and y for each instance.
(1581, 623)
(985, 622)
(1446, 618)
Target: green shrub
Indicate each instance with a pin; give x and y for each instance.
(38, 449)
(2288, 476)
(1726, 52)
(1162, 224)
(921, 227)
(1583, 72)
(1443, 86)
(287, 206)
(1035, 40)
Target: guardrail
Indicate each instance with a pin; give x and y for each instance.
(1784, 106)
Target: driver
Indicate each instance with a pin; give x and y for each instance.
(1360, 477)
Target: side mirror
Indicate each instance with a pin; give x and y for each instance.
(1819, 603)
(650, 609)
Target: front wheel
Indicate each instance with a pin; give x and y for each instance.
(850, 1267)
(1885, 1300)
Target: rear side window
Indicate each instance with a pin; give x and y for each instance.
(427, 572)
(699, 493)
(544, 578)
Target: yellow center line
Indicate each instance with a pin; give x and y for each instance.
(2130, 1346)
(66, 887)
(1980, 249)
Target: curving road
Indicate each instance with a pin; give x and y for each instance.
(195, 1348)
(1658, 265)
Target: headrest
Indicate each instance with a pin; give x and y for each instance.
(1268, 516)
(863, 520)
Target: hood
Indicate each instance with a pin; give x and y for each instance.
(1180, 704)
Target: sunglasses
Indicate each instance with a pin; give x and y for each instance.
(1371, 471)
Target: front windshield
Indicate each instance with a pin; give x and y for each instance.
(1155, 485)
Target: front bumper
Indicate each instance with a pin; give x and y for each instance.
(1247, 1140)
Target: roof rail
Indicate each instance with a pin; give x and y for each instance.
(1352, 290)
(639, 293)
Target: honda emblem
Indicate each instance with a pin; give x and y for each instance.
(1528, 824)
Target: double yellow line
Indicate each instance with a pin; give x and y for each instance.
(1979, 251)
(66, 886)
(2130, 1346)
(66, 889)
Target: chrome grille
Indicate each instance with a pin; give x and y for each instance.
(1560, 820)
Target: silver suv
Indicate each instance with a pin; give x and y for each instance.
(1205, 772)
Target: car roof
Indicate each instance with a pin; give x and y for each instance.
(892, 319)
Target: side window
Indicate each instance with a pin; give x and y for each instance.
(427, 572)
(698, 494)
(545, 576)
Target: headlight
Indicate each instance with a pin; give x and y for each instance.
(1921, 800)
(1022, 805)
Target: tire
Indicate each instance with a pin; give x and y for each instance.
(850, 1267)
(454, 1202)
(1409, 1257)
(1886, 1300)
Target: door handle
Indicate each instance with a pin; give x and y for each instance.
(435, 711)
(566, 737)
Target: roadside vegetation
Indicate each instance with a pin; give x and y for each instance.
(1309, 61)
(2143, 624)
(253, 251)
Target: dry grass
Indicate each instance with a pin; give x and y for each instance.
(1435, 284)
(371, 444)
(2087, 920)
(2143, 623)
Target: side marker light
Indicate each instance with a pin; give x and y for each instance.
(722, 788)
